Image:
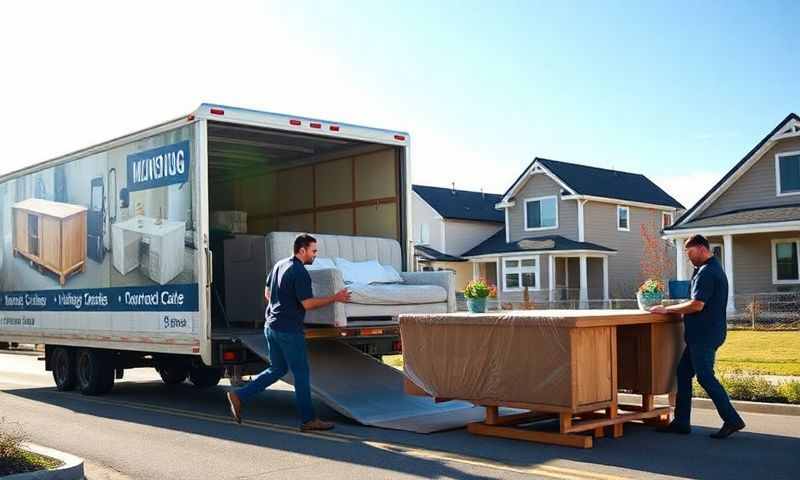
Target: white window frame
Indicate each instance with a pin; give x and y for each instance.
(627, 209)
(778, 157)
(520, 270)
(773, 255)
(525, 213)
(663, 226)
(424, 234)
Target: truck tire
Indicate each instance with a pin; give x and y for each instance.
(95, 372)
(173, 374)
(4, 345)
(205, 377)
(64, 371)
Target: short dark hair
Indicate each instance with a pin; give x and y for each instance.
(697, 241)
(303, 241)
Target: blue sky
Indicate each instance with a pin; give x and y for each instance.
(678, 91)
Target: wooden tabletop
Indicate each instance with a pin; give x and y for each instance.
(51, 209)
(553, 318)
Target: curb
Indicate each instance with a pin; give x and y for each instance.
(72, 469)
(740, 405)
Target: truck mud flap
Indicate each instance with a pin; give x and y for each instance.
(370, 392)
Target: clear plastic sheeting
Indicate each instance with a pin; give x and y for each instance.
(558, 358)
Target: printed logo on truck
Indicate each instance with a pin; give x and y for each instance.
(168, 298)
(159, 167)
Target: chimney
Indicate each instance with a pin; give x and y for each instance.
(483, 195)
(454, 187)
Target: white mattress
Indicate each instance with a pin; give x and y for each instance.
(395, 294)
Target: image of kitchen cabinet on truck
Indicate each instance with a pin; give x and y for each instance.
(149, 288)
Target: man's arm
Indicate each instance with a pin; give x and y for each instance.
(689, 306)
(266, 295)
(342, 296)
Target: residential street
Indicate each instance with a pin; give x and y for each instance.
(145, 430)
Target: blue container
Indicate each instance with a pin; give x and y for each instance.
(476, 305)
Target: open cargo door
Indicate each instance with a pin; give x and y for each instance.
(370, 392)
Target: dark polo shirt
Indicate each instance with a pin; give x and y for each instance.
(708, 327)
(289, 284)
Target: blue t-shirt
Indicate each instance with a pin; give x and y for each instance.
(710, 286)
(289, 284)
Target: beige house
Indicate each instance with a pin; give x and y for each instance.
(752, 218)
(448, 222)
(574, 232)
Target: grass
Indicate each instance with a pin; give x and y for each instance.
(758, 352)
(395, 361)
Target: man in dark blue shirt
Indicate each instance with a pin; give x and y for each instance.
(705, 327)
(289, 296)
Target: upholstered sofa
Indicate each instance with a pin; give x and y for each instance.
(419, 292)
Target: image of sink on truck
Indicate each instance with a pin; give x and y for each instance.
(111, 259)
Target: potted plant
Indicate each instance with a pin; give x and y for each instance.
(650, 293)
(476, 293)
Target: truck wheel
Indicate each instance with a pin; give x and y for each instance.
(4, 345)
(64, 372)
(95, 372)
(204, 377)
(173, 374)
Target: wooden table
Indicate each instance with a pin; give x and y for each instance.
(564, 365)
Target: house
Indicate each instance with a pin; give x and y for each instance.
(573, 232)
(448, 222)
(751, 217)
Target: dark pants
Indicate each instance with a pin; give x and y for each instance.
(287, 351)
(698, 360)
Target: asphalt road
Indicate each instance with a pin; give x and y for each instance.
(146, 430)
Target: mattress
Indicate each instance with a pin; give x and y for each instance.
(395, 294)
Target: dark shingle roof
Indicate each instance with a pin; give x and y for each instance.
(497, 244)
(739, 164)
(462, 205)
(602, 182)
(433, 255)
(783, 213)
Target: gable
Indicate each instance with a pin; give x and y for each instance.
(756, 188)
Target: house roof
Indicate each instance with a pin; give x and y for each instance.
(462, 204)
(747, 216)
(602, 182)
(497, 244)
(433, 255)
(741, 163)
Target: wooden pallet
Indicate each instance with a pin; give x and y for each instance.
(576, 429)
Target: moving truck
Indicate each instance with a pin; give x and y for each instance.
(108, 254)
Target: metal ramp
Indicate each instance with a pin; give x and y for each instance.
(370, 392)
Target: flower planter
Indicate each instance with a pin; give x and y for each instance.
(650, 299)
(476, 305)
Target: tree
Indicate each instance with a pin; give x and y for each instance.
(656, 261)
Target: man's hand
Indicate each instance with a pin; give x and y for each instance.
(658, 309)
(342, 296)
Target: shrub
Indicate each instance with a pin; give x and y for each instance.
(478, 289)
(790, 391)
(11, 439)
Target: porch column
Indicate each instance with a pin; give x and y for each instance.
(551, 277)
(499, 276)
(476, 270)
(605, 279)
(680, 260)
(584, 284)
(727, 245)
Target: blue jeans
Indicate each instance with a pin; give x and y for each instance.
(699, 360)
(287, 351)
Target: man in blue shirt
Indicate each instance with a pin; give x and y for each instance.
(705, 328)
(289, 296)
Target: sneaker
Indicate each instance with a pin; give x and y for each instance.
(675, 428)
(235, 405)
(316, 425)
(727, 430)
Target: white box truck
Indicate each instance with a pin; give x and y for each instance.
(125, 277)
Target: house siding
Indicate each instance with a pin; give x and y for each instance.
(756, 187)
(422, 213)
(462, 235)
(624, 268)
(541, 185)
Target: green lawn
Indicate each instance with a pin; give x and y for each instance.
(774, 353)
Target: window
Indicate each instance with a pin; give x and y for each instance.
(718, 251)
(623, 218)
(541, 213)
(666, 220)
(785, 261)
(424, 234)
(787, 173)
(519, 273)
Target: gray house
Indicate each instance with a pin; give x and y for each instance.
(752, 217)
(573, 232)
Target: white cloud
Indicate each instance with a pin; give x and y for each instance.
(688, 188)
